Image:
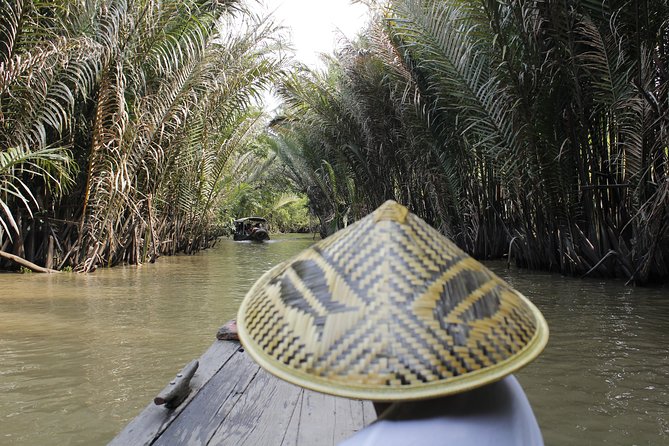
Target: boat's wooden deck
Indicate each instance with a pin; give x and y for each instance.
(234, 402)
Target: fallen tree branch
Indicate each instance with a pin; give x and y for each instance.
(26, 264)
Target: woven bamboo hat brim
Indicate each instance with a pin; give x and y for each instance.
(388, 309)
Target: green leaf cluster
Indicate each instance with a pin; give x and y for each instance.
(533, 130)
(119, 122)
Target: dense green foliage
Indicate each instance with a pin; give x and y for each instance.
(538, 130)
(534, 130)
(284, 212)
(259, 186)
(119, 123)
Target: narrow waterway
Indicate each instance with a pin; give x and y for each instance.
(80, 355)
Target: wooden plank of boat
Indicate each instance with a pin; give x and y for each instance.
(233, 401)
(154, 419)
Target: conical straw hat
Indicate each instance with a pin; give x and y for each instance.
(388, 309)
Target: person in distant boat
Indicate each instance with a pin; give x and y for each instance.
(389, 310)
(253, 229)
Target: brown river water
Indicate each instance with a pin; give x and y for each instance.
(81, 355)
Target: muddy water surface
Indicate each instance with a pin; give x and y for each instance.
(80, 355)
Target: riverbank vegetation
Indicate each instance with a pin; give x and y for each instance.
(537, 130)
(119, 122)
(533, 130)
(260, 186)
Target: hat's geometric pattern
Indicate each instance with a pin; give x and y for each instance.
(388, 302)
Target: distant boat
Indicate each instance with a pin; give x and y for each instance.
(251, 228)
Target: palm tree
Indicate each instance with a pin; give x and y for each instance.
(48, 69)
(535, 130)
(51, 165)
(192, 90)
(311, 144)
(143, 96)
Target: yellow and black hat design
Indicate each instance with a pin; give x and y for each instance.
(388, 309)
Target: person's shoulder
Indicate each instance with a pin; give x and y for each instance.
(498, 413)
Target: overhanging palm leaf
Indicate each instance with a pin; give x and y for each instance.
(17, 165)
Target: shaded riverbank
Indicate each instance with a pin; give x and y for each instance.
(80, 355)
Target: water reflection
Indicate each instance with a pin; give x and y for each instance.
(81, 355)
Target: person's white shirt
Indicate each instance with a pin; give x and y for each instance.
(497, 414)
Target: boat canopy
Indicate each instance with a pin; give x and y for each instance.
(251, 219)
